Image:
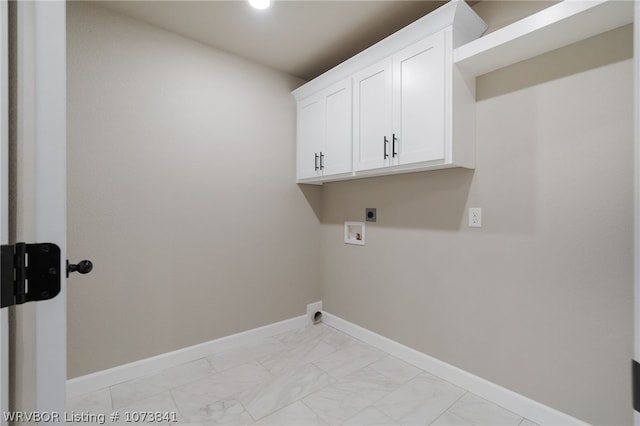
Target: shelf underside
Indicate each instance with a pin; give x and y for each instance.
(557, 26)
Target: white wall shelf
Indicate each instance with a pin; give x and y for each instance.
(562, 24)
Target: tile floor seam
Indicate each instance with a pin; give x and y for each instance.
(135, 402)
(454, 403)
(449, 407)
(497, 405)
(175, 403)
(111, 399)
(262, 365)
(315, 392)
(363, 409)
(145, 398)
(311, 409)
(384, 396)
(206, 358)
(247, 411)
(338, 381)
(270, 414)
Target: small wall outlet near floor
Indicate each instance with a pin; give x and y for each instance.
(314, 312)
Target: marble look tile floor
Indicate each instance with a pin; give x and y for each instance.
(311, 376)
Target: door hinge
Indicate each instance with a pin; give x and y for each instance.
(635, 384)
(29, 273)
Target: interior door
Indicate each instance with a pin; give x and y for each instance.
(636, 213)
(4, 198)
(37, 145)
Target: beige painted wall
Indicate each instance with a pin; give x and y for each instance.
(181, 190)
(540, 299)
(174, 149)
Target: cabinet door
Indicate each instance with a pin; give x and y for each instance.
(337, 149)
(310, 135)
(372, 116)
(419, 101)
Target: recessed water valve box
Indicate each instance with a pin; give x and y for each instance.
(354, 233)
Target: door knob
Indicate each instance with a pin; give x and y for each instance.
(83, 267)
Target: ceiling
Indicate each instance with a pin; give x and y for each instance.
(299, 37)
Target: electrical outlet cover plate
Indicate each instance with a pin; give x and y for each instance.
(475, 217)
(370, 214)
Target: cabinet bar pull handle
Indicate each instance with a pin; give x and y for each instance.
(321, 161)
(393, 146)
(386, 141)
(316, 161)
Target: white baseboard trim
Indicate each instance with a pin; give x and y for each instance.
(112, 376)
(523, 406)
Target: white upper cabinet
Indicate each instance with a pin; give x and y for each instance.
(310, 136)
(337, 148)
(420, 102)
(324, 134)
(372, 109)
(399, 108)
(410, 109)
(413, 104)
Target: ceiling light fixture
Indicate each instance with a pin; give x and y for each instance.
(260, 4)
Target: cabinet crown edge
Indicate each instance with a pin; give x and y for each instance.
(467, 26)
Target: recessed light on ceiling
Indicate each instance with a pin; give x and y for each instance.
(260, 4)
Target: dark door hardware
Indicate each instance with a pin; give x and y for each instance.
(385, 143)
(30, 273)
(393, 146)
(321, 158)
(82, 267)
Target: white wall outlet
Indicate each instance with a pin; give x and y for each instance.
(312, 310)
(475, 217)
